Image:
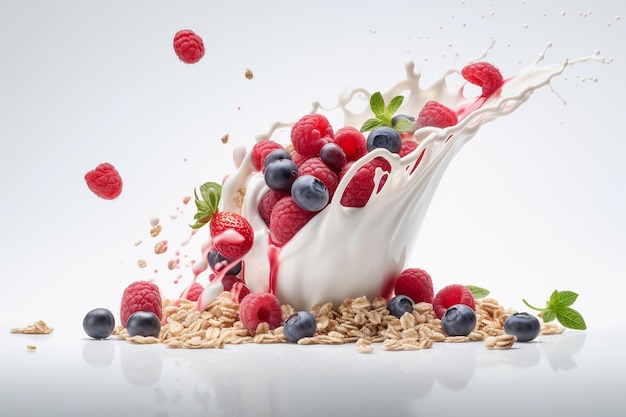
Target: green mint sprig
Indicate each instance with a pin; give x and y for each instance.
(383, 114)
(478, 292)
(206, 204)
(559, 307)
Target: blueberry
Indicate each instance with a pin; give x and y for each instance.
(309, 193)
(275, 155)
(333, 156)
(99, 323)
(525, 327)
(214, 257)
(384, 137)
(399, 305)
(143, 323)
(280, 174)
(458, 320)
(299, 325)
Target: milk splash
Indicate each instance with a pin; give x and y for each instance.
(346, 252)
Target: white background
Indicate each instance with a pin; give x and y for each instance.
(534, 203)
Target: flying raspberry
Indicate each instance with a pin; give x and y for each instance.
(188, 46)
(484, 75)
(104, 181)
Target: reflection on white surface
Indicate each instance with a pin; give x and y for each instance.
(574, 374)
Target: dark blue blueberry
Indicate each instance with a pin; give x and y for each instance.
(280, 174)
(214, 257)
(143, 323)
(458, 320)
(333, 156)
(99, 323)
(525, 327)
(384, 137)
(399, 305)
(309, 193)
(299, 325)
(275, 155)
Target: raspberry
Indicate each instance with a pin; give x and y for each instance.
(416, 284)
(310, 133)
(236, 287)
(361, 185)
(268, 201)
(260, 307)
(317, 168)
(298, 159)
(352, 141)
(232, 249)
(407, 147)
(194, 292)
(484, 75)
(437, 115)
(287, 219)
(104, 181)
(260, 150)
(451, 295)
(188, 46)
(140, 296)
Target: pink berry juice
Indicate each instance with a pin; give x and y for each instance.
(346, 252)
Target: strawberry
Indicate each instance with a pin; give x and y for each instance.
(260, 307)
(260, 150)
(188, 46)
(317, 168)
(287, 219)
(140, 296)
(104, 181)
(238, 290)
(416, 284)
(352, 141)
(437, 115)
(484, 75)
(232, 246)
(361, 185)
(310, 133)
(451, 295)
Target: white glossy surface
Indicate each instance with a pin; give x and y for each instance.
(573, 374)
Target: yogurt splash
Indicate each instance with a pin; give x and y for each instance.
(346, 252)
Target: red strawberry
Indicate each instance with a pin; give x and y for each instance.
(361, 185)
(416, 284)
(194, 292)
(268, 201)
(437, 115)
(451, 295)
(104, 181)
(141, 296)
(231, 246)
(484, 75)
(310, 133)
(317, 168)
(352, 141)
(287, 219)
(188, 46)
(238, 290)
(260, 307)
(260, 150)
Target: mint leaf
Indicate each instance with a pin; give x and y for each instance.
(478, 292)
(377, 104)
(371, 124)
(394, 105)
(404, 126)
(558, 307)
(206, 203)
(570, 318)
